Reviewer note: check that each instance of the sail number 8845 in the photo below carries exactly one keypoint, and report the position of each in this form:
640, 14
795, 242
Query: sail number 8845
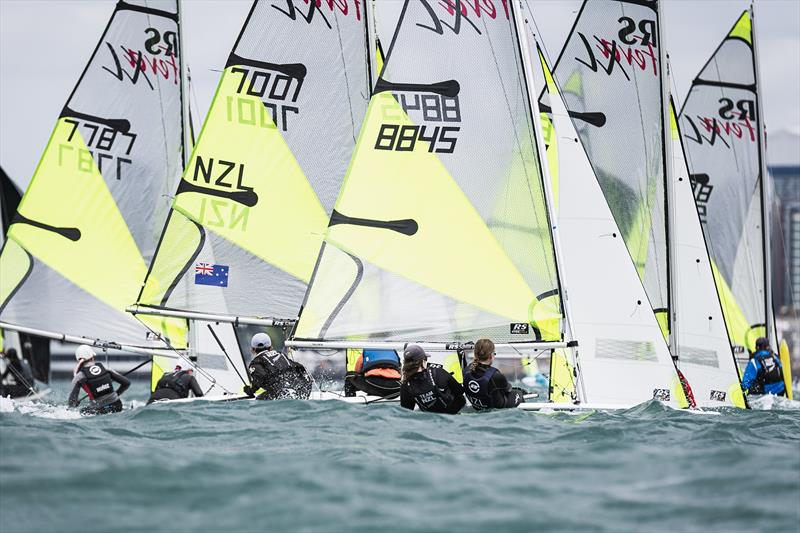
404, 138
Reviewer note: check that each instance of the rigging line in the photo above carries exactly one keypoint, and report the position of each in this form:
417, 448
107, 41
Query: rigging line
228, 357
179, 356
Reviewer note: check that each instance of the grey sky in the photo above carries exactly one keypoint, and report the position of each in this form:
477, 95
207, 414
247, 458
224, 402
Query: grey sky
45, 44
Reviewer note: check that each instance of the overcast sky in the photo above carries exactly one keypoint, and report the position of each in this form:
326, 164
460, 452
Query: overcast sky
45, 44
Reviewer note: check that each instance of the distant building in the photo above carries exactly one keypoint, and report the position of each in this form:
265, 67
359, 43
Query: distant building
783, 156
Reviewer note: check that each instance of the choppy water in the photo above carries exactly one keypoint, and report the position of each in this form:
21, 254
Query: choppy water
331, 466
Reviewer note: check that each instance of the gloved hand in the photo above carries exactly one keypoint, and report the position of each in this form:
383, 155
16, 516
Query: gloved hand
248, 390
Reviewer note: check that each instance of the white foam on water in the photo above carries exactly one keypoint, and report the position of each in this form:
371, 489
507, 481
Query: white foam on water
768, 402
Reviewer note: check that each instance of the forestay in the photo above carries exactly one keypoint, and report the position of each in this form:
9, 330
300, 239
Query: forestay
610, 70
88, 224
441, 231
721, 129
706, 357
250, 212
624, 359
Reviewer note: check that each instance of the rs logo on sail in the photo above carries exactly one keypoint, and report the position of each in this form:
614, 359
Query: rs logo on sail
632, 49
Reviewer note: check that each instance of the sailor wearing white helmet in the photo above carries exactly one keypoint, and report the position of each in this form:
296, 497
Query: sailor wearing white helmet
275, 373
98, 382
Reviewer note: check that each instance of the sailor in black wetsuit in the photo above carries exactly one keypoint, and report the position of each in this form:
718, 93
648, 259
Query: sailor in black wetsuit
428, 386
17, 379
486, 387
279, 376
177, 384
98, 382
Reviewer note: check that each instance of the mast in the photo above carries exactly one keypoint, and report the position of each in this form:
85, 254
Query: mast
370, 16
769, 319
669, 189
522, 39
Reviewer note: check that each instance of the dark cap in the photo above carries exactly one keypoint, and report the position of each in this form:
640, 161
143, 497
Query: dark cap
414, 353
762, 342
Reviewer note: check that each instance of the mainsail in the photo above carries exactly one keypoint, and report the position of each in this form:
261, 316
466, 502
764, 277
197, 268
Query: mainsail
441, 230
705, 354
249, 214
624, 358
79, 245
722, 129
610, 71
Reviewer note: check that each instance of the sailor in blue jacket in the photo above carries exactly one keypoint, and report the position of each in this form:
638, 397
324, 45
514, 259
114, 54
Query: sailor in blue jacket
764, 374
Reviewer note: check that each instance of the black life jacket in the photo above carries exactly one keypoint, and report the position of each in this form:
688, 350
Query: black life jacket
770, 370
476, 389
271, 362
427, 395
98, 381
175, 381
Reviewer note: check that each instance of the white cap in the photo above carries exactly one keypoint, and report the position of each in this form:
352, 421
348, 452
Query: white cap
85, 352
185, 364
260, 341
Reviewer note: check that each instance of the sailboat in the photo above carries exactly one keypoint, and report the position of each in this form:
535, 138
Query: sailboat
250, 211
723, 134
86, 228
35, 349
613, 55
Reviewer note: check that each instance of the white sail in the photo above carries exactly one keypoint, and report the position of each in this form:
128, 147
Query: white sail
705, 354
623, 356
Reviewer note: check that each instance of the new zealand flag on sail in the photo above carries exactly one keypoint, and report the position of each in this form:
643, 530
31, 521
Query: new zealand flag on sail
208, 274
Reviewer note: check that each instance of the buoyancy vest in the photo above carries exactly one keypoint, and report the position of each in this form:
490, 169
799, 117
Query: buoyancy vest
273, 362
175, 381
381, 363
98, 381
770, 369
476, 389
427, 395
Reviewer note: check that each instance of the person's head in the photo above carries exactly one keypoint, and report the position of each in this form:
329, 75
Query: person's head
762, 343
414, 360
185, 367
84, 353
483, 353
11, 354
260, 342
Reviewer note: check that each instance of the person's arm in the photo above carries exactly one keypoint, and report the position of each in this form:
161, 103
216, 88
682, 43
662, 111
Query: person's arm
72, 401
453, 384
406, 399
195, 386
124, 382
750, 374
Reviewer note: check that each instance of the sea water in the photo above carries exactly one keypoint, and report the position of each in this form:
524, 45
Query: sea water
332, 466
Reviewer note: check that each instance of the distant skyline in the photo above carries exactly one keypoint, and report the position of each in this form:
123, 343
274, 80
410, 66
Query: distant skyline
45, 44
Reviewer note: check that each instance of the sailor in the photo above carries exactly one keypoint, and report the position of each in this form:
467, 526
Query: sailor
17, 379
375, 372
98, 382
764, 373
279, 376
428, 385
486, 387
177, 384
